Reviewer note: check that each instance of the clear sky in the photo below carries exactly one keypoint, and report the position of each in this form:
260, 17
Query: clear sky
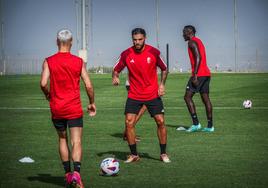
30, 28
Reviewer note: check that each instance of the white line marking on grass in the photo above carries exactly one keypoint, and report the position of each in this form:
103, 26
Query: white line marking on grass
226, 108
118, 108
24, 108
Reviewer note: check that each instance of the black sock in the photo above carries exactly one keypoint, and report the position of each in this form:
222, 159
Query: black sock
163, 148
133, 149
66, 166
77, 166
195, 119
210, 123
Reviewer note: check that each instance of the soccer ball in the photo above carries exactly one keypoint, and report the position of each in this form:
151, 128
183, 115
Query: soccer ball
247, 104
109, 167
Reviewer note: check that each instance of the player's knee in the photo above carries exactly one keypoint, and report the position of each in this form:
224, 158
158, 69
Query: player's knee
62, 135
129, 126
209, 107
129, 123
161, 126
207, 103
186, 98
160, 122
76, 142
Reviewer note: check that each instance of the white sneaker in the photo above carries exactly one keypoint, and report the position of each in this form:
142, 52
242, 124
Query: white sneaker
164, 157
132, 158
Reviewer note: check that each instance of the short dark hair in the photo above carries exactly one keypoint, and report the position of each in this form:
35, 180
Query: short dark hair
138, 31
191, 28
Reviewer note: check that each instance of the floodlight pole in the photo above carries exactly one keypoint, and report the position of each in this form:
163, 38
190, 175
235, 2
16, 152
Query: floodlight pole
90, 45
2, 39
83, 24
167, 57
257, 60
83, 52
235, 32
157, 22
2, 48
77, 23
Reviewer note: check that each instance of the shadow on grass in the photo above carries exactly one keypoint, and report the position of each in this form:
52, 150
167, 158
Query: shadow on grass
123, 155
117, 135
47, 178
176, 126
120, 135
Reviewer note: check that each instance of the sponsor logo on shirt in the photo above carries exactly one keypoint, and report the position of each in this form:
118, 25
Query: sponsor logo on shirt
148, 60
132, 61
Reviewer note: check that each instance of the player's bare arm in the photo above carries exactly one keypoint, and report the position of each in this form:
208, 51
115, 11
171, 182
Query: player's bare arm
91, 108
115, 77
161, 90
44, 80
194, 48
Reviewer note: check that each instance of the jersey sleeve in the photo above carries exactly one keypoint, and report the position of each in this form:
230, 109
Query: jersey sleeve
120, 63
160, 62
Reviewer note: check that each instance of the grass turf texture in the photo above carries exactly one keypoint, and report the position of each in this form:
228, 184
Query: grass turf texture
235, 155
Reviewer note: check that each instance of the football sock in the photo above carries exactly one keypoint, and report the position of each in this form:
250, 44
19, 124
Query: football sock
66, 166
133, 149
195, 119
210, 123
163, 148
77, 166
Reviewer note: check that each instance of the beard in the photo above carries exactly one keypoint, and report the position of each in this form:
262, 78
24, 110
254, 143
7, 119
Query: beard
139, 47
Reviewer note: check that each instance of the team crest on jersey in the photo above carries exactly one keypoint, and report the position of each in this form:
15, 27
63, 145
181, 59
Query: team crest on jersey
132, 61
148, 60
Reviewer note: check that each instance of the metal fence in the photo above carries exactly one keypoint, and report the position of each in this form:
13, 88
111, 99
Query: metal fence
17, 65
22, 65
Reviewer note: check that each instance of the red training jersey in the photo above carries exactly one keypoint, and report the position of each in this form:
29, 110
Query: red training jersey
203, 68
142, 68
65, 70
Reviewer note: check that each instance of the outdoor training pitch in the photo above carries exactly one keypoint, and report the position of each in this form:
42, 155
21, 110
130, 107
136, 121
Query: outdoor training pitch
235, 155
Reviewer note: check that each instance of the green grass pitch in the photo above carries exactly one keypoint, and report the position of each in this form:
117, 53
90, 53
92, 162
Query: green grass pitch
235, 155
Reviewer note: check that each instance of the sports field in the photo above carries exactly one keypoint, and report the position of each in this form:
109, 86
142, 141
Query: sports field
235, 155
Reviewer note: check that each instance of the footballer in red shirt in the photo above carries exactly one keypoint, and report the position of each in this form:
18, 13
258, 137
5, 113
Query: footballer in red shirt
142, 61
199, 81
60, 83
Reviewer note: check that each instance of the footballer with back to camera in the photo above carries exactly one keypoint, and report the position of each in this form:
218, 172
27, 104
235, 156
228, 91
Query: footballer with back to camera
60, 83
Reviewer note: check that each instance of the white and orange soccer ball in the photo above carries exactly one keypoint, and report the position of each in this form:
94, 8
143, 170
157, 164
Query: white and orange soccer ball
247, 104
109, 167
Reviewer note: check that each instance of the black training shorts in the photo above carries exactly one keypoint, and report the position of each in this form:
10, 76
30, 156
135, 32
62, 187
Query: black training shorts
203, 86
154, 106
61, 124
